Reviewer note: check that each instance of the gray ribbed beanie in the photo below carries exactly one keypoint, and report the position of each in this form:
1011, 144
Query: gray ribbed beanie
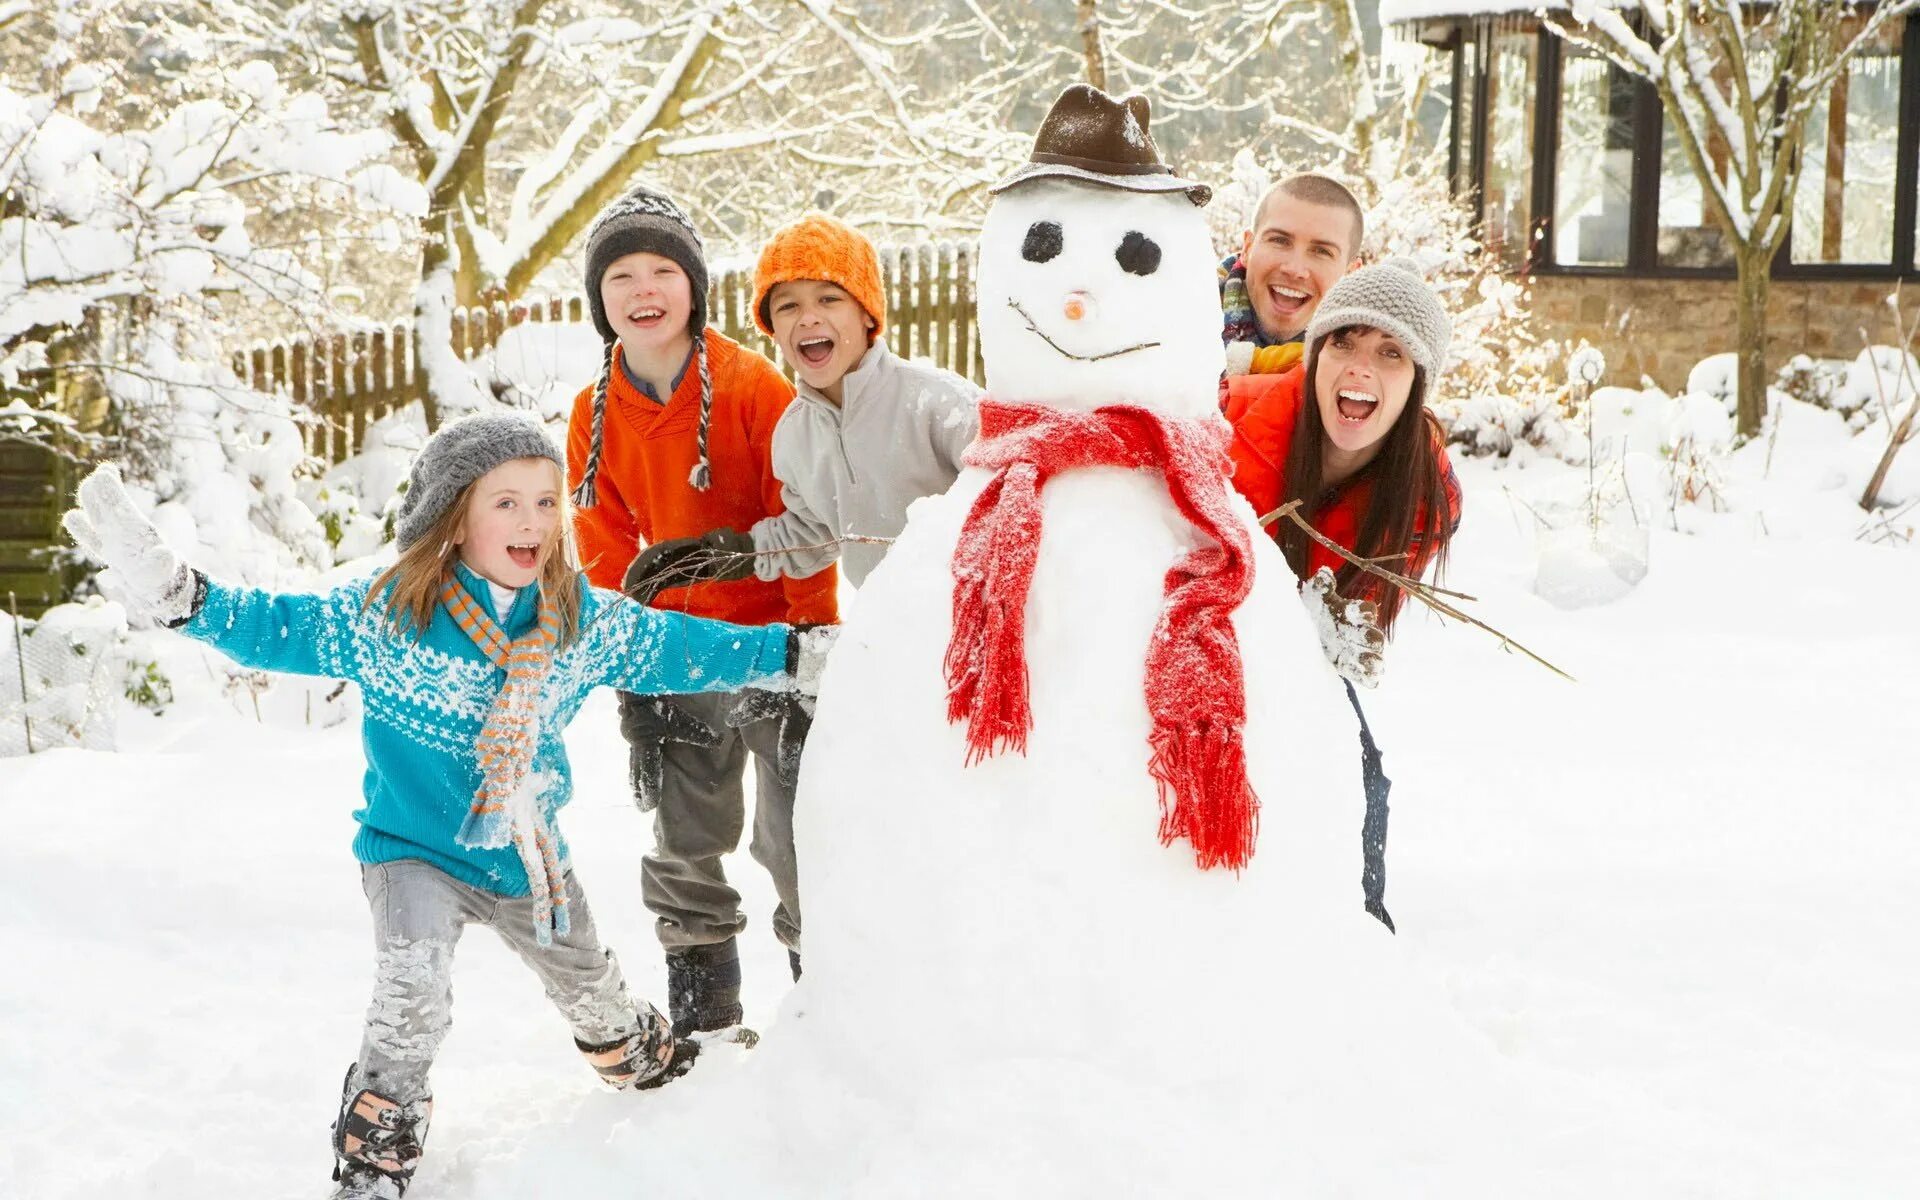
1394, 297
460, 453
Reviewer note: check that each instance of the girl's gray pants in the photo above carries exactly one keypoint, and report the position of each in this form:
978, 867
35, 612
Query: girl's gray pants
419, 913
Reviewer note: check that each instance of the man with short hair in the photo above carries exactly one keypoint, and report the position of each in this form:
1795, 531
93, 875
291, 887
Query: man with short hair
1304, 236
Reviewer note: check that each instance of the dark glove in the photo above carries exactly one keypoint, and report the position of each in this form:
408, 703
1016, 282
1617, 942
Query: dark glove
649, 723
790, 709
807, 647
717, 556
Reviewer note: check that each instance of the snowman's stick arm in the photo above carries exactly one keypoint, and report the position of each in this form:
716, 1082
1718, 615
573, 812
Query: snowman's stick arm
1424, 593
1372, 565
696, 568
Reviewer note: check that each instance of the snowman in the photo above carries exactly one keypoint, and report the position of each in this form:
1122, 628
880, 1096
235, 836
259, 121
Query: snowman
1078, 753
1077, 820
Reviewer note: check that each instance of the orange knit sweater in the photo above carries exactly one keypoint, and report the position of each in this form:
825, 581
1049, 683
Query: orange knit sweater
647, 452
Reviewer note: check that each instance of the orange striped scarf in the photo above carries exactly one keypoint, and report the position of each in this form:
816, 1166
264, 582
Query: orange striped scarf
501, 815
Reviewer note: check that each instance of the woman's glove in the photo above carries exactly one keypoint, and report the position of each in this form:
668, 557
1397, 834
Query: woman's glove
110, 530
718, 556
1349, 630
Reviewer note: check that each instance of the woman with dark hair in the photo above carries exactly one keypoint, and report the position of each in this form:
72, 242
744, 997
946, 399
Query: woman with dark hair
1366, 460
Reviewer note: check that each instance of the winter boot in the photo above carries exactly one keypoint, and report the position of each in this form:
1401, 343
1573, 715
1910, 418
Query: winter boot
703, 987
646, 1059
376, 1142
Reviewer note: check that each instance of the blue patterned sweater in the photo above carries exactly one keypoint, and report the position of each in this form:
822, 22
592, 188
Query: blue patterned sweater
426, 698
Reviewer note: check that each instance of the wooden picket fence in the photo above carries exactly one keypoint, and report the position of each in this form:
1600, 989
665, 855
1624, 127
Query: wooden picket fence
349, 380
34, 486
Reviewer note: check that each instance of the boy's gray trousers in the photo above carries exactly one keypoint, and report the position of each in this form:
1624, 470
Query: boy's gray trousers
419, 912
695, 790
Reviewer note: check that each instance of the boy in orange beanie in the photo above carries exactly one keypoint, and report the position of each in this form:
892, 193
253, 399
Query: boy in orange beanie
675, 438
869, 432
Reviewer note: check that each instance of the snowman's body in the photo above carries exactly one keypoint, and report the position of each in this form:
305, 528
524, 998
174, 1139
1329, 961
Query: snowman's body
1012, 987
1024, 906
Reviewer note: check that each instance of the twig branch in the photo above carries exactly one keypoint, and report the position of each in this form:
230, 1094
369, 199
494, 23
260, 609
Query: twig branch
1424, 593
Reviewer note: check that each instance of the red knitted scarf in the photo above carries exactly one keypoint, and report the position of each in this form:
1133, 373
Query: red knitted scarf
1196, 690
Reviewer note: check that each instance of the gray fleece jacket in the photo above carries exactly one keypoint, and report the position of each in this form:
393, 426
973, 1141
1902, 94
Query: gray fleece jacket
897, 435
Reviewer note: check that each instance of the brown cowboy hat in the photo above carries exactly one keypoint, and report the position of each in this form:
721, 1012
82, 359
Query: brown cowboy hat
1090, 136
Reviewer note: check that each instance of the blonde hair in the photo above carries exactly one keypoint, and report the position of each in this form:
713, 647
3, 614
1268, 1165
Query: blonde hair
411, 587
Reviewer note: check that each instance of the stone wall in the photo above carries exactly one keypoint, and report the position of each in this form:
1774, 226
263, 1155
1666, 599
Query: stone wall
1660, 328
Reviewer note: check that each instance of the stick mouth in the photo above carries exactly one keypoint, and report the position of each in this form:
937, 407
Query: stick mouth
1062, 350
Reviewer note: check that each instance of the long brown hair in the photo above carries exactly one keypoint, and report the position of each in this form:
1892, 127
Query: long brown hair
411, 587
1406, 487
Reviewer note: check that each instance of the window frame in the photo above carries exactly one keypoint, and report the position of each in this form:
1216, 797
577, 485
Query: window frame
1643, 219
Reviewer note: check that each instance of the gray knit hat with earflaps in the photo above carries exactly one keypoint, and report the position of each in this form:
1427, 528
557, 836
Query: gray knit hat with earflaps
460, 453
1394, 297
645, 221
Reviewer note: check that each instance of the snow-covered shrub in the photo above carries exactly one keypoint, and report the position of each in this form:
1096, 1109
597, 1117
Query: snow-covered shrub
1699, 435
1816, 381
60, 676
1687, 438
541, 366
1717, 375
218, 467
147, 686
359, 497
1882, 380
1579, 567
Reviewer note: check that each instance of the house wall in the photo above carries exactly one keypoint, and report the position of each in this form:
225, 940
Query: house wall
1659, 328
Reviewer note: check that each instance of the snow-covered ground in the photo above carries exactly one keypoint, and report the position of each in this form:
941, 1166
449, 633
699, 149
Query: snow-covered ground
1679, 887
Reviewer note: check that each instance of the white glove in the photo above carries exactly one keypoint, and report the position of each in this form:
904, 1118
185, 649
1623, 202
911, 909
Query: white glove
1349, 630
110, 531
807, 657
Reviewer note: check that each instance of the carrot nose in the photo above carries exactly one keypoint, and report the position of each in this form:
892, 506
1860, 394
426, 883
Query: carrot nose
1075, 306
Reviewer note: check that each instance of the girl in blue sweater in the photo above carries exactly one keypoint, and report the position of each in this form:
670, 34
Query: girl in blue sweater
472, 652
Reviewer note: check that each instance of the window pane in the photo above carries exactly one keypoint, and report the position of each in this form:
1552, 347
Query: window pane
1407, 61
1843, 205
1509, 151
1593, 179
1463, 115
1689, 236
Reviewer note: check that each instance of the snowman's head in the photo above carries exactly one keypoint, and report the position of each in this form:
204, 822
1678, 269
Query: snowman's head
1092, 295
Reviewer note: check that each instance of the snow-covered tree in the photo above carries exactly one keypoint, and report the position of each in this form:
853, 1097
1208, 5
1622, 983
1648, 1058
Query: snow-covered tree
128, 169
518, 120
127, 188
1737, 82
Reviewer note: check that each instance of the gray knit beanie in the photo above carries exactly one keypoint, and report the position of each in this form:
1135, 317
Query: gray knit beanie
645, 221
1394, 297
460, 453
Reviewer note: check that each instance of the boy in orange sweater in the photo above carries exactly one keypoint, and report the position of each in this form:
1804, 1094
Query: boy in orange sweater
673, 439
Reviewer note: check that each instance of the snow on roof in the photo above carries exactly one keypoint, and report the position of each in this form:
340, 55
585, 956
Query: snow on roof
1397, 12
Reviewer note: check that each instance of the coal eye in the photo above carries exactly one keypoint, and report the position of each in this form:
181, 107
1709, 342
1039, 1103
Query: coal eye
1043, 242
1138, 254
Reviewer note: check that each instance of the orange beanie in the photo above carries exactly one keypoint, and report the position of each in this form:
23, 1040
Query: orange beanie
819, 247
